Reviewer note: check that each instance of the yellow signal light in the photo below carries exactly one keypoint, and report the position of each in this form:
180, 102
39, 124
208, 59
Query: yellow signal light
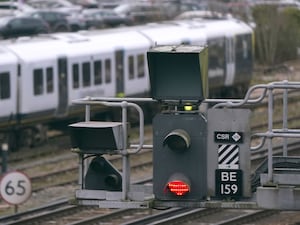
188, 108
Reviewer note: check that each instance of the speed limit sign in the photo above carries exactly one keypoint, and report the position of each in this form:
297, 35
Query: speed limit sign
15, 187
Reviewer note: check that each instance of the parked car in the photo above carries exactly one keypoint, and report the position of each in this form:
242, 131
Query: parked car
76, 21
57, 21
188, 15
109, 4
13, 8
172, 9
101, 18
86, 4
11, 26
57, 5
141, 12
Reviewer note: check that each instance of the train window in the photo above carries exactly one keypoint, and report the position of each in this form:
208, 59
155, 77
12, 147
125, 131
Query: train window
141, 65
216, 53
98, 72
75, 69
49, 78
229, 50
242, 48
131, 67
245, 49
4, 85
86, 74
107, 71
38, 80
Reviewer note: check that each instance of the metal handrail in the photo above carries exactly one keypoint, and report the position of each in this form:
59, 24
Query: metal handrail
124, 104
267, 91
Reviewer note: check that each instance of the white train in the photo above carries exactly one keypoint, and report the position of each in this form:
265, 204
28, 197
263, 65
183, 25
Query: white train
40, 76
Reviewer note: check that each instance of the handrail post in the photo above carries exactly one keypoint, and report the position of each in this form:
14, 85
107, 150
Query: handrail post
285, 118
270, 137
125, 155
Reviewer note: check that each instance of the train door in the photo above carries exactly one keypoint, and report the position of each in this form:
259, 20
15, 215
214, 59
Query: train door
62, 86
230, 60
119, 68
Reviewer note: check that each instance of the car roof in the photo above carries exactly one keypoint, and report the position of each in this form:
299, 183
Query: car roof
93, 10
7, 19
9, 4
199, 14
23, 16
46, 11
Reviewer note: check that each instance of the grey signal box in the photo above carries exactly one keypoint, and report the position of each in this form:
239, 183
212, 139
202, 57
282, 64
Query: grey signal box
97, 136
178, 72
169, 160
228, 153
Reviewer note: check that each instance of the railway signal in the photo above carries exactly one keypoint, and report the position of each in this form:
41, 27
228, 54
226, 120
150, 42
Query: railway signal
179, 157
94, 138
178, 76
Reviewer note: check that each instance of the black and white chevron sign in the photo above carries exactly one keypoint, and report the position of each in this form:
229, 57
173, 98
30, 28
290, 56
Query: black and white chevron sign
228, 156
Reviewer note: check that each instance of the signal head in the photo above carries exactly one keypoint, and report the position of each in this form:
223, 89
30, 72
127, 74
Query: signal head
102, 175
179, 158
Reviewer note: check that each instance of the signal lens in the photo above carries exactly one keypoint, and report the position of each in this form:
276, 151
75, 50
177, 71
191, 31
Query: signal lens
178, 187
188, 107
178, 140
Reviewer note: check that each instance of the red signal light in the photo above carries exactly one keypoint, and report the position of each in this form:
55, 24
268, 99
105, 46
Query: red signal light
178, 187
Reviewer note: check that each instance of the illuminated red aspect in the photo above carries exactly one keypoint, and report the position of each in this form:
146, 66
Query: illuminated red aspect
178, 187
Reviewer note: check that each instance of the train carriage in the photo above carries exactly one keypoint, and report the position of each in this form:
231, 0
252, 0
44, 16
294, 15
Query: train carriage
129, 63
37, 79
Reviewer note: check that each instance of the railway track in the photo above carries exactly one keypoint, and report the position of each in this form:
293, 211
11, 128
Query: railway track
218, 217
64, 168
204, 216
68, 214
62, 208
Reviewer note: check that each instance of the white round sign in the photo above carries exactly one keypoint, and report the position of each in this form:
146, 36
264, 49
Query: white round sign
15, 187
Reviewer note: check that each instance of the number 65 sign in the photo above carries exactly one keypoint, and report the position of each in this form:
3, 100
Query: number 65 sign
15, 187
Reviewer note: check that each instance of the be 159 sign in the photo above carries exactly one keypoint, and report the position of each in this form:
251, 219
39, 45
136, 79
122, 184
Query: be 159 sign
229, 183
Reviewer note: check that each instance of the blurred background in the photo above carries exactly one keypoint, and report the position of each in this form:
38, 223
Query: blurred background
276, 22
